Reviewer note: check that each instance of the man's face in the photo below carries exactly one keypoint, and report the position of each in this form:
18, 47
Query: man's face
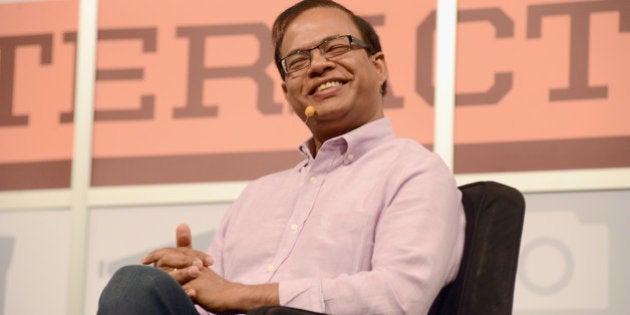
345, 91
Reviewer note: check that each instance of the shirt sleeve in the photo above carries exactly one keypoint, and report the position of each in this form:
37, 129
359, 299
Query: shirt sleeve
215, 250
417, 249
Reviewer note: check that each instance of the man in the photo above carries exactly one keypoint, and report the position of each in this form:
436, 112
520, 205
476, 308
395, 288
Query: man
368, 223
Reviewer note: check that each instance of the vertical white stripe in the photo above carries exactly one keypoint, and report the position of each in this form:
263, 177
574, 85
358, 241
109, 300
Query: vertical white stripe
322, 299
82, 150
446, 39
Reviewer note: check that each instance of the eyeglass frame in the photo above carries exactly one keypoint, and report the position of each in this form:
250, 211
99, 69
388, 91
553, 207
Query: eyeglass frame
308, 51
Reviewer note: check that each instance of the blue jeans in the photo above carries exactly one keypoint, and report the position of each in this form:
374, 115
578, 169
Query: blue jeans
141, 289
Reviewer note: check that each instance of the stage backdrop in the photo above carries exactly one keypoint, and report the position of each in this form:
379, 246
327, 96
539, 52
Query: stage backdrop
188, 91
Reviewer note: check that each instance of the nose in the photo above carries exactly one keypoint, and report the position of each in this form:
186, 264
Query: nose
319, 63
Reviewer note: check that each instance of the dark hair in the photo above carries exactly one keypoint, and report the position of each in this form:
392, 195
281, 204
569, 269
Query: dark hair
285, 18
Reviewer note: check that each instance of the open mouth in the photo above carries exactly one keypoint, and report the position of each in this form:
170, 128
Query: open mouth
326, 85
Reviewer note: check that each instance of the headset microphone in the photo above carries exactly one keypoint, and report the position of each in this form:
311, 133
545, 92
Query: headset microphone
309, 112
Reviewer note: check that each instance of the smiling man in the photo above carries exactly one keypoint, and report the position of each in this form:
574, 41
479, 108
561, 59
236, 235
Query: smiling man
340, 75
367, 224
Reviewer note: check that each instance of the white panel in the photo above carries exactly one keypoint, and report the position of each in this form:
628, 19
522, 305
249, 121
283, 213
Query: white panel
555, 181
34, 259
574, 254
34, 199
564, 263
122, 236
218, 192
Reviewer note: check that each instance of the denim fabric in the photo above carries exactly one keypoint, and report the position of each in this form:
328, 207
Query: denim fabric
144, 290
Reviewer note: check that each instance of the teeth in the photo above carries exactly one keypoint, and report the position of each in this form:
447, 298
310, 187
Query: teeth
328, 85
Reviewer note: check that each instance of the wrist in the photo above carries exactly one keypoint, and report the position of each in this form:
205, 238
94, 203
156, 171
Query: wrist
247, 297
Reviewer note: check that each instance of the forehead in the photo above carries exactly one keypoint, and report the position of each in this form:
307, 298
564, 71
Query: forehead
313, 25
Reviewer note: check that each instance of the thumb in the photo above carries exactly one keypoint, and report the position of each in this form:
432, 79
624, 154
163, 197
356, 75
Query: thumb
183, 237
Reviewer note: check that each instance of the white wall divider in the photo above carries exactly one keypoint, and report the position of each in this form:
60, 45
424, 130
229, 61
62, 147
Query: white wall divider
82, 150
444, 100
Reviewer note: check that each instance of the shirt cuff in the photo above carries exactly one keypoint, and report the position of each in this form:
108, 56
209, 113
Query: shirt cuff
302, 293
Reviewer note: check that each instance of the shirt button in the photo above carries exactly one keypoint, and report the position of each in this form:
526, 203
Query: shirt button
271, 268
294, 227
313, 180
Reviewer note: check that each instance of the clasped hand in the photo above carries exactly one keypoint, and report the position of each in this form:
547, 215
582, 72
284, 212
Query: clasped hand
189, 268
182, 262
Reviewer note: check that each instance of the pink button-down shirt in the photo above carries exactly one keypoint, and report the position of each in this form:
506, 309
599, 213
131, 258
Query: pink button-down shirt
373, 225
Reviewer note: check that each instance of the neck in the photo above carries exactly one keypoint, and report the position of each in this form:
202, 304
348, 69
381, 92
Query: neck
324, 130
319, 139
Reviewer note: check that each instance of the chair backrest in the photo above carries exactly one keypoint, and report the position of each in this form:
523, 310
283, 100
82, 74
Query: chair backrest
494, 224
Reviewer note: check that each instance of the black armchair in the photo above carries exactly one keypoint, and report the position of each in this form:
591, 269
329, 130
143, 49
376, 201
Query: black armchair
494, 224
485, 282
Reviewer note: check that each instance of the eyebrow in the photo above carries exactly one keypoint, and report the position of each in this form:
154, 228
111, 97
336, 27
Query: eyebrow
300, 50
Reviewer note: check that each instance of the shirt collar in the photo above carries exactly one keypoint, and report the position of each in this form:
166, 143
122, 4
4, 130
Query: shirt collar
354, 143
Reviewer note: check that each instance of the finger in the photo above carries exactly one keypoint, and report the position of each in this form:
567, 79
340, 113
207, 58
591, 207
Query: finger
150, 257
183, 236
157, 255
177, 258
170, 257
185, 275
208, 261
202, 259
190, 291
197, 258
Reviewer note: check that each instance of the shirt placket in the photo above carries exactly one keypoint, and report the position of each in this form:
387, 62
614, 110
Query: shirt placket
312, 182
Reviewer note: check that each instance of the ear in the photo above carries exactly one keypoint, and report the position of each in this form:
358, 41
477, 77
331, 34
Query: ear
378, 60
286, 96
286, 93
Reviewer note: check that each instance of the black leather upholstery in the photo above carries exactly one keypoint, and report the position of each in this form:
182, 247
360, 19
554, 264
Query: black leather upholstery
494, 224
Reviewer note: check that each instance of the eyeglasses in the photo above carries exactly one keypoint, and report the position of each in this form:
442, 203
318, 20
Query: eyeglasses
329, 48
